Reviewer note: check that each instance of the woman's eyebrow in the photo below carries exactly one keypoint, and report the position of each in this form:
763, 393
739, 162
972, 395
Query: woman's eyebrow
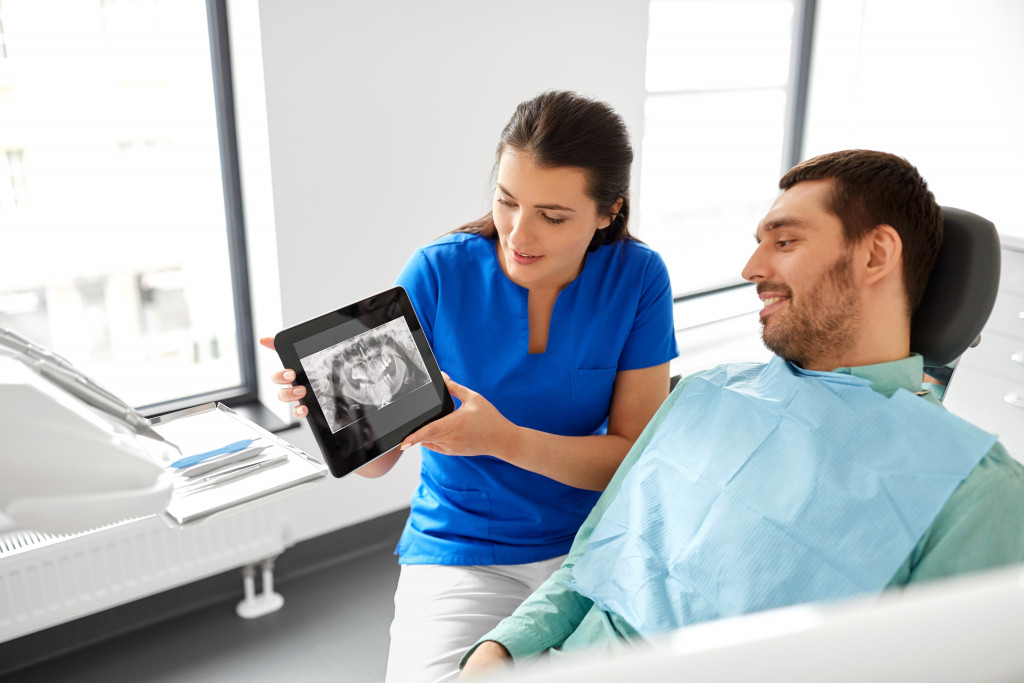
550, 207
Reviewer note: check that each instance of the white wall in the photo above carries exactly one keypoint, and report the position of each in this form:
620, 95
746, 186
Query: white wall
940, 82
382, 119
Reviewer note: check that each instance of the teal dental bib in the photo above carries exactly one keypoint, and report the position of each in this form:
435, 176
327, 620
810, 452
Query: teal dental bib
767, 486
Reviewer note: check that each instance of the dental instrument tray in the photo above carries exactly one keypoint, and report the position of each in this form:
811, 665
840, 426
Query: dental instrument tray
370, 377
226, 461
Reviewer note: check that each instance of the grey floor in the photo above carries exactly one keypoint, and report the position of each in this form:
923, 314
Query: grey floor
333, 627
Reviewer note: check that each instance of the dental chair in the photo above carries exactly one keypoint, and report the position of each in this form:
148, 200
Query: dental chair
960, 293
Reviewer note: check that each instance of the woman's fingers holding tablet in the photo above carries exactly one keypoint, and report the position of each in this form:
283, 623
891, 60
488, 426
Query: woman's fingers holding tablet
290, 394
475, 427
286, 376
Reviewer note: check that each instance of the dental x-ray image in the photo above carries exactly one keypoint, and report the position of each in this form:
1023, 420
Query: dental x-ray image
363, 374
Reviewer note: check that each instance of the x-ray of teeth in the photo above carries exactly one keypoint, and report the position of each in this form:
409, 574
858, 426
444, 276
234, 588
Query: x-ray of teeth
365, 373
371, 370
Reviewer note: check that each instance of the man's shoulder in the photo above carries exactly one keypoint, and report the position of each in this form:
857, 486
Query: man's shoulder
981, 525
725, 371
993, 490
996, 472
732, 370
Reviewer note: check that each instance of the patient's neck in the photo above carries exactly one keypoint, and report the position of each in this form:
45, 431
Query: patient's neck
883, 337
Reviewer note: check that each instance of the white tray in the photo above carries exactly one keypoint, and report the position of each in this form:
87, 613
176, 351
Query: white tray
212, 425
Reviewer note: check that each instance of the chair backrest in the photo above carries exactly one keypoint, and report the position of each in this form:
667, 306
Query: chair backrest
961, 291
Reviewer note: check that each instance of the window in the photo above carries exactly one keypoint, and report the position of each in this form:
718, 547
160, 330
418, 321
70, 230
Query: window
953, 88
721, 121
122, 211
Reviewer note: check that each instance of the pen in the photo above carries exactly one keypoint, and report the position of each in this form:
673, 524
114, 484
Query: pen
218, 462
199, 457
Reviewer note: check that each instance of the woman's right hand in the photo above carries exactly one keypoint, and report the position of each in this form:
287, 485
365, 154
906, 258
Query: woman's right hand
291, 393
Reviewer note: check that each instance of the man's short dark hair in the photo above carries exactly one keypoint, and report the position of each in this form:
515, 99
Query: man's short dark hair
875, 188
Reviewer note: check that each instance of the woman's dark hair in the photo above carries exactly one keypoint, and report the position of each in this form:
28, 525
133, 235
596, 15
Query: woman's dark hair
563, 129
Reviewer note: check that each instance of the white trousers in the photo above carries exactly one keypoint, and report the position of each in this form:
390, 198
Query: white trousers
440, 611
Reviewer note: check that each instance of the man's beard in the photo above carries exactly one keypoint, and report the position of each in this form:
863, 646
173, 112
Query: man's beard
822, 324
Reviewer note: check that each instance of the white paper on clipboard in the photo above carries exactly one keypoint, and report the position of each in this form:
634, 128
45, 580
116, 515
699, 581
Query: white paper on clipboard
212, 425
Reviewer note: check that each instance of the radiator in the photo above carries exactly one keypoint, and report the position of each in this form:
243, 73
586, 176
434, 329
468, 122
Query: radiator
47, 580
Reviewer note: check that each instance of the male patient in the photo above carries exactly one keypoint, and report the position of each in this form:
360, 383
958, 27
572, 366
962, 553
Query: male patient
823, 474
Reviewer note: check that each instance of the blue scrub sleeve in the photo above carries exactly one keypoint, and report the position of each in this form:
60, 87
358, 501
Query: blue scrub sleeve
420, 280
652, 339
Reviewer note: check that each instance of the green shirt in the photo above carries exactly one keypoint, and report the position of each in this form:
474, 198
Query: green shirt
981, 526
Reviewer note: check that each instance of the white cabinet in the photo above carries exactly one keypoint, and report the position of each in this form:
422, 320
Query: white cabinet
987, 387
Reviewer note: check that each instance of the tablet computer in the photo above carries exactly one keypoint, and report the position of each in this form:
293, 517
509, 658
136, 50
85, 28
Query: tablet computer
370, 377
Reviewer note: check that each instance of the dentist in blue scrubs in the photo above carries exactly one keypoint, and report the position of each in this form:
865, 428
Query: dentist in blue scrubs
554, 327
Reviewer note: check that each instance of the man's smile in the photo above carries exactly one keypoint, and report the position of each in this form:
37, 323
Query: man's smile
770, 301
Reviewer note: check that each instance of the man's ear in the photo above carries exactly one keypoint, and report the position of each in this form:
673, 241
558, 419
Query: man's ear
884, 254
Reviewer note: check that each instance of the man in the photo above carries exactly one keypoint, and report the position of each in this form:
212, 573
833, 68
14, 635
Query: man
820, 475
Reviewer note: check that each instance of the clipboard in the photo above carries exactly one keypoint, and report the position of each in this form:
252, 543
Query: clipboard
207, 426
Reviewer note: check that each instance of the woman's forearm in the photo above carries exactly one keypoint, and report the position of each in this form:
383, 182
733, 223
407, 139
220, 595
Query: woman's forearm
586, 462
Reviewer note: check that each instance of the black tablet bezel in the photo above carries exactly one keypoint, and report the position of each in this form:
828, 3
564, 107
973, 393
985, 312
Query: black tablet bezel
350, 447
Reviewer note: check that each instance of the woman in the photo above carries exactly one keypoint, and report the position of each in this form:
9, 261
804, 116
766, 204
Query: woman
555, 327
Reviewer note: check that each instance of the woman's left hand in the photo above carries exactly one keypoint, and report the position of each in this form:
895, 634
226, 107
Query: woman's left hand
475, 428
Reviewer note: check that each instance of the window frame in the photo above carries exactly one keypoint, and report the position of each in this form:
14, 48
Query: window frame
799, 82
244, 396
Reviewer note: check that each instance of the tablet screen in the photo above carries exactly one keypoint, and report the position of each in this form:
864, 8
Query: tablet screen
370, 377
356, 378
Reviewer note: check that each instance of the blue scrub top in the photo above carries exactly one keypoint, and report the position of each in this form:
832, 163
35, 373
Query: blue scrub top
616, 315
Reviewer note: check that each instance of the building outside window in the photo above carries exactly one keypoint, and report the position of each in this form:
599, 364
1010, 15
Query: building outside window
113, 222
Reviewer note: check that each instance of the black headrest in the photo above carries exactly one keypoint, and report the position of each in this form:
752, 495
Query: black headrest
961, 291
